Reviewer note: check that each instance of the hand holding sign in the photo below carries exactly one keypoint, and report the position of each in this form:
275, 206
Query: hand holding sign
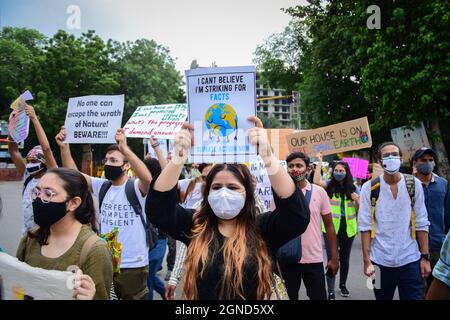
86, 289
258, 137
183, 143
29, 111
120, 137
82, 285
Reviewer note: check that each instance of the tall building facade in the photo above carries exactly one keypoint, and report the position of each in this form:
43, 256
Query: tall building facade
286, 108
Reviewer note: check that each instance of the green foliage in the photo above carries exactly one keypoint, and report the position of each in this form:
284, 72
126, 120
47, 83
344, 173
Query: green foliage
398, 75
65, 66
270, 122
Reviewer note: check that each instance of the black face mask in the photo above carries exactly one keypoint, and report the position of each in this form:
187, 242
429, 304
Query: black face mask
113, 172
47, 214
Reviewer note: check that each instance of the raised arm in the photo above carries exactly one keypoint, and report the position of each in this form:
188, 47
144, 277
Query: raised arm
137, 164
317, 179
66, 155
16, 157
42, 137
158, 151
281, 182
170, 174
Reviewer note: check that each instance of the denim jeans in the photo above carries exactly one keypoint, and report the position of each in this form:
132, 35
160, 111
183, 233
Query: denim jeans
155, 259
407, 278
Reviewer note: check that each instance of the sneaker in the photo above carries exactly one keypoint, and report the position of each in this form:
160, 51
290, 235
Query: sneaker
331, 296
343, 291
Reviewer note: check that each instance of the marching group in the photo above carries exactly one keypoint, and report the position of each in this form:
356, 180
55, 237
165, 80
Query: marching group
223, 242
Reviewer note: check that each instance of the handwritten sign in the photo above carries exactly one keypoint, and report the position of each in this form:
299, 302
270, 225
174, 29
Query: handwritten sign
341, 137
160, 121
358, 167
94, 119
263, 186
220, 100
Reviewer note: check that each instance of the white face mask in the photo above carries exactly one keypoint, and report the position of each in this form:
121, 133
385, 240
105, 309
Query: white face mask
391, 164
225, 203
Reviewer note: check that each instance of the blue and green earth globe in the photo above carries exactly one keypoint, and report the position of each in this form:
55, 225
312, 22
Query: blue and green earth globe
221, 119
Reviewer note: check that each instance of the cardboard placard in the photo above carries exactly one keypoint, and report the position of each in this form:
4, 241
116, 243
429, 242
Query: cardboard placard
336, 138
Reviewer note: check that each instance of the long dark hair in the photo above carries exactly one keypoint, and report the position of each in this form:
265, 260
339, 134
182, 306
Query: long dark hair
76, 186
346, 188
245, 245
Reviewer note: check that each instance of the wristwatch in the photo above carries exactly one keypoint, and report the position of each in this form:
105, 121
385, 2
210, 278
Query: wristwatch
425, 256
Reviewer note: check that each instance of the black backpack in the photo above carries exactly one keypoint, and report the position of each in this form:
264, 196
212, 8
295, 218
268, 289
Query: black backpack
150, 231
25, 183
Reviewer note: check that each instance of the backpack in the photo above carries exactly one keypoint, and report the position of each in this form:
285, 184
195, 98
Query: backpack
375, 193
25, 183
150, 231
291, 252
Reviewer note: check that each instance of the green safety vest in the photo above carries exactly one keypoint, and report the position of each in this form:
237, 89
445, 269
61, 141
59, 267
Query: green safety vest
350, 215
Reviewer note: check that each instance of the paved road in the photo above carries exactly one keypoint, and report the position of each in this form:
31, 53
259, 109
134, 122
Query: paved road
10, 234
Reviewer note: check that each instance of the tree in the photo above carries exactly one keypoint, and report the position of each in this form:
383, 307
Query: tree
270, 122
398, 75
66, 66
278, 58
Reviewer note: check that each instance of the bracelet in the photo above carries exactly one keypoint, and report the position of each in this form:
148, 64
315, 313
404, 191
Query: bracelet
155, 145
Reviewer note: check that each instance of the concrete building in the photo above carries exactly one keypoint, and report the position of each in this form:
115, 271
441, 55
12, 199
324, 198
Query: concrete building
286, 108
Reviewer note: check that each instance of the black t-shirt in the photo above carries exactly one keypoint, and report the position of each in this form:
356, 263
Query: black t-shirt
287, 221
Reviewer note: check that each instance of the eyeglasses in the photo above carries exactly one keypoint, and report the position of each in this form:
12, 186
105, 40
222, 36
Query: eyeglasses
45, 194
113, 161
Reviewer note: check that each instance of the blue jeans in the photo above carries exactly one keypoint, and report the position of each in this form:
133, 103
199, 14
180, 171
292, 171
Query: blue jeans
407, 278
155, 259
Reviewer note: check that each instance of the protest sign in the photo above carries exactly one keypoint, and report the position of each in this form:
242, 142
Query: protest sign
220, 100
160, 121
358, 167
409, 140
21, 281
341, 137
278, 141
93, 119
263, 186
166, 146
19, 123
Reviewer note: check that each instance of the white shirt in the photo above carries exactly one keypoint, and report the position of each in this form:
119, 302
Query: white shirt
27, 204
192, 198
116, 211
393, 245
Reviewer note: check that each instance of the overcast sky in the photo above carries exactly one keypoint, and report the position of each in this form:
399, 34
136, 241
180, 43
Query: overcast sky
222, 31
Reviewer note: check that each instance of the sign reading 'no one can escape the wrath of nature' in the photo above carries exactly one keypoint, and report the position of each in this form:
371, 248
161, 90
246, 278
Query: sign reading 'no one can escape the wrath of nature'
337, 138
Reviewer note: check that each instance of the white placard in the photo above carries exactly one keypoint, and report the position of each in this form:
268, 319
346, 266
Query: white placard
94, 119
160, 121
263, 185
219, 102
21, 281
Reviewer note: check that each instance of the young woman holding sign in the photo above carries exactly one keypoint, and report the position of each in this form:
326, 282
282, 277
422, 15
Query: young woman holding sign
229, 246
